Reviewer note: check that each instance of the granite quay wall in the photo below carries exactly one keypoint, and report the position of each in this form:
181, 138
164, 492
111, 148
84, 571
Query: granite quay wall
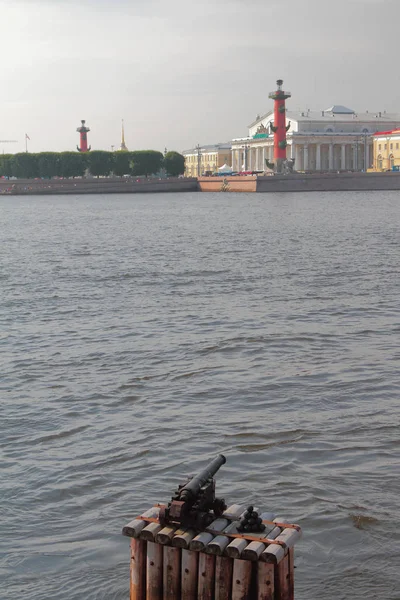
329, 182
245, 183
26, 187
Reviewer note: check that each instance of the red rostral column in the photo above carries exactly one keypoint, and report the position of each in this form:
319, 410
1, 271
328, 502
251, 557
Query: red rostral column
279, 127
83, 131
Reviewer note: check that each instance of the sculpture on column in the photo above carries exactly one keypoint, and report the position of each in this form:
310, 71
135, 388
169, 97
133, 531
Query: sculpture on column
279, 128
83, 131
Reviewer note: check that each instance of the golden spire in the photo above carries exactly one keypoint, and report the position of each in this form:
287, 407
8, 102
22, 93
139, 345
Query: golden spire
123, 145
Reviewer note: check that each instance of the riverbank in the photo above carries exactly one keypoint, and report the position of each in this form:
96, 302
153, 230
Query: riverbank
302, 182
297, 182
117, 185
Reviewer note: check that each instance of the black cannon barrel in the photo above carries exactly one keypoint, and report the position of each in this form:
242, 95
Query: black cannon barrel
193, 487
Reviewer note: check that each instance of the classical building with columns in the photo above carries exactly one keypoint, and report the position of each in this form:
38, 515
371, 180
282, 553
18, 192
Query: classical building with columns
206, 159
335, 139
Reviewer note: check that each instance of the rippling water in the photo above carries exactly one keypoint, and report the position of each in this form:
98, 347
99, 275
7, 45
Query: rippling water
140, 335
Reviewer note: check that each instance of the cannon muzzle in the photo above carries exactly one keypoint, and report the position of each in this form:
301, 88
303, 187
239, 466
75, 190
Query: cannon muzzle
192, 488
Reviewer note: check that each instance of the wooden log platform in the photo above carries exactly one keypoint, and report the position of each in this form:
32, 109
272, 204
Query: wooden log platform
219, 563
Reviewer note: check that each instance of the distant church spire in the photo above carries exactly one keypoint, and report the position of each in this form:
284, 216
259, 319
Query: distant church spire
123, 145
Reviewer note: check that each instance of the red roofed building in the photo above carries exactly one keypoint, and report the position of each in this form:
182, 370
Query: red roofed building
387, 150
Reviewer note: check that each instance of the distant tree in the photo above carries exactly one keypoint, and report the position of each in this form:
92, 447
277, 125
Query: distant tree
72, 164
122, 162
6, 165
146, 162
100, 162
25, 165
48, 164
174, 163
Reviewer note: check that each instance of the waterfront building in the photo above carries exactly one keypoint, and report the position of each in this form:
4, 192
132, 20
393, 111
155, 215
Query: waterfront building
206, 159
335, 139
387, 150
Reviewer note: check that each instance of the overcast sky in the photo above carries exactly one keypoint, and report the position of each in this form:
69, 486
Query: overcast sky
182, 72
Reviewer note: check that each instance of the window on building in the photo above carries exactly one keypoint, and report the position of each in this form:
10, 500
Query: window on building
379, 163
391, 146
397, 146
385, 146
391, 161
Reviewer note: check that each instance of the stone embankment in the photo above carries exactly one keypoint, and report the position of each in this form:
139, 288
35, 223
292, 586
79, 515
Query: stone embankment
329, 182
297, 182
302, 182
245, 183
104, 185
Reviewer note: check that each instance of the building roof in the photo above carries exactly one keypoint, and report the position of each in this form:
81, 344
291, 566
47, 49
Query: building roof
388, 133
334, 117
338, 109
210, 148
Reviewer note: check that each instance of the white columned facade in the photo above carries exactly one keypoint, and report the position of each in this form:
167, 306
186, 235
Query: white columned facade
305, 166
343, 157
354, 157
263, 158
331, 156
257, 159
318, 157
297, 157
271, 153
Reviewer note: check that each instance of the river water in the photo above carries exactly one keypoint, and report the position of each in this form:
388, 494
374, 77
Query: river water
141, 335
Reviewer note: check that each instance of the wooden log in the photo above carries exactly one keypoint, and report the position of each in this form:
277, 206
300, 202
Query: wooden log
166, 534
150, 531
189, 561
236, 547
291, 573
241, 579
268, 516
154, 572
138, 567
282, 579
206, 579
223, 578
234, 512
265, 581
274, 552
276, 531
171, 572
218, 544
135, 527
253, 551
183, 540
201, 540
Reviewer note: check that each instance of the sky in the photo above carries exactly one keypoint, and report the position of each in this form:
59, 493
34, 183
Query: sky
183, 72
